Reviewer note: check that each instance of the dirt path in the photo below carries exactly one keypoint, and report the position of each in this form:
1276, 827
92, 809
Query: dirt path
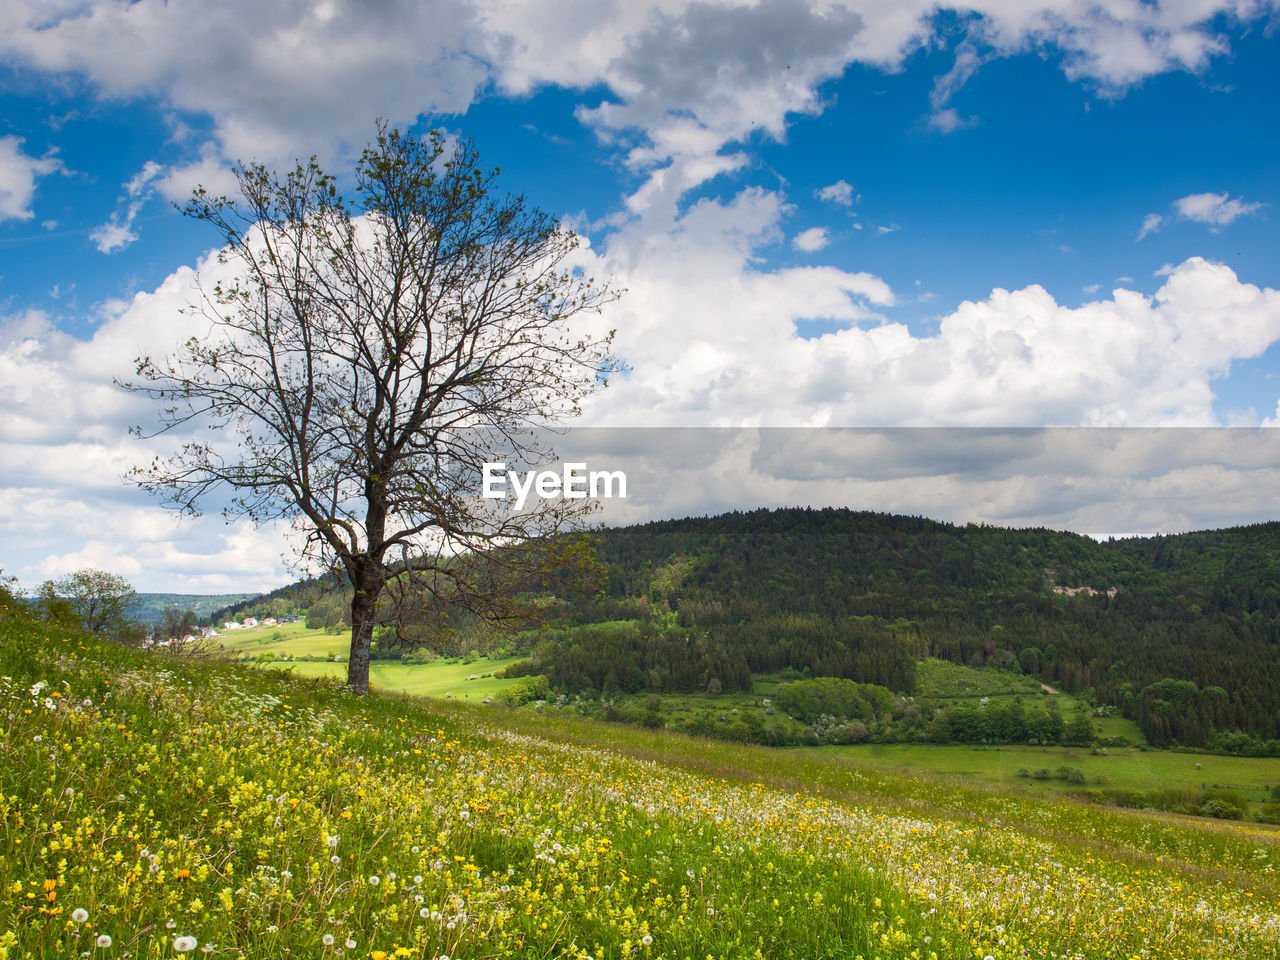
1048, 689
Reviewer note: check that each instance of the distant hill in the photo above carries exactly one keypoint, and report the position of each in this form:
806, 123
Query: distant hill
151, 606
1181, 632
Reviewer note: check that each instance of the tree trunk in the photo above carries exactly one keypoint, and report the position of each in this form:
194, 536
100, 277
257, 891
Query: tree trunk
363, 604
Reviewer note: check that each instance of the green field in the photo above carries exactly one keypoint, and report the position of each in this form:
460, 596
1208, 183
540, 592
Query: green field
1128, 768
441, 678
147, 799
284, 640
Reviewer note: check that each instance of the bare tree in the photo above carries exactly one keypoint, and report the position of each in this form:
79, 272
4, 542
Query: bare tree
370, 356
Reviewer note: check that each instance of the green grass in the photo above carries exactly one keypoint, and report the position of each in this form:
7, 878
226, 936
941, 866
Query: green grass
284, 640
940, 679
261, 813
1126, 769
450, 679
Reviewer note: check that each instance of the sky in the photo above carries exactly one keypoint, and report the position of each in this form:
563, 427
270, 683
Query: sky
878, 213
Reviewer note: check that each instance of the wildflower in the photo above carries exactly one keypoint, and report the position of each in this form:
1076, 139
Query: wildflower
104, 941
374, 881
424, 913
332, 841
646, 940
327, 939
184, 944
350, 944
80, 915
335, 859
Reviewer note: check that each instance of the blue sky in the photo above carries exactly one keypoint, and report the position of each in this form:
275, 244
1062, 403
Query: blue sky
826, 214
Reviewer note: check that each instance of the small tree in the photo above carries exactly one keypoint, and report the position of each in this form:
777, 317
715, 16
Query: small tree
97, 600
368, 358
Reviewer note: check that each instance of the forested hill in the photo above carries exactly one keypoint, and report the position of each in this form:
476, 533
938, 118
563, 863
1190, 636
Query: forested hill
863, 595
1181, 632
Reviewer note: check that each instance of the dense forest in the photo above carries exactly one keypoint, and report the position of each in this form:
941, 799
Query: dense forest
1180, 632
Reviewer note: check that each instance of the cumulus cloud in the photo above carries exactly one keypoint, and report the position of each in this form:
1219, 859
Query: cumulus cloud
18, 175
1214, 209
1015, 357
840, 193
681, 79
811, 240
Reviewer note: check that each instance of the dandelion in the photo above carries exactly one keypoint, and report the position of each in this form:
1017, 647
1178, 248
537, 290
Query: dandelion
327, 939
104, 941
332, 841
350, 944
424, 913
646, 940
184, 944
374, 880
335, 859
80, 915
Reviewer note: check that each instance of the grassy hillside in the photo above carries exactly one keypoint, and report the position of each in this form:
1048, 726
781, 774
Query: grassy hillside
150, 804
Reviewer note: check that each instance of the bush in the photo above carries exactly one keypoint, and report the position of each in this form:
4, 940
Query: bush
1220, 809
525, 690
1269, 813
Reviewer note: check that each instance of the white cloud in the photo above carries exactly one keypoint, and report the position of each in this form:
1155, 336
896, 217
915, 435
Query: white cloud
18, 176
943, 116
839, 192
811, 240
118, 233
683, 80
1151, 223
1016, 357
1214, 209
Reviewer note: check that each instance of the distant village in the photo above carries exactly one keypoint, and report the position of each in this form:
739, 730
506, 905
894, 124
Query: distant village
210, 633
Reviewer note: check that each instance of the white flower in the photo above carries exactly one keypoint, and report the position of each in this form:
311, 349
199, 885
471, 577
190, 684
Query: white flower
335, 859
646, 939
374, 881
170, 924
424, 913
185, 944
332, 841
80, 915
104, 941
327, 939
350, 944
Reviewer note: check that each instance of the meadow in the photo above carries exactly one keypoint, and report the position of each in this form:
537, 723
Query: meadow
153, 806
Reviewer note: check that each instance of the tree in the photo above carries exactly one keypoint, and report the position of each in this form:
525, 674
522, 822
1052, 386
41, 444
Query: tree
368, 357
97, 600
